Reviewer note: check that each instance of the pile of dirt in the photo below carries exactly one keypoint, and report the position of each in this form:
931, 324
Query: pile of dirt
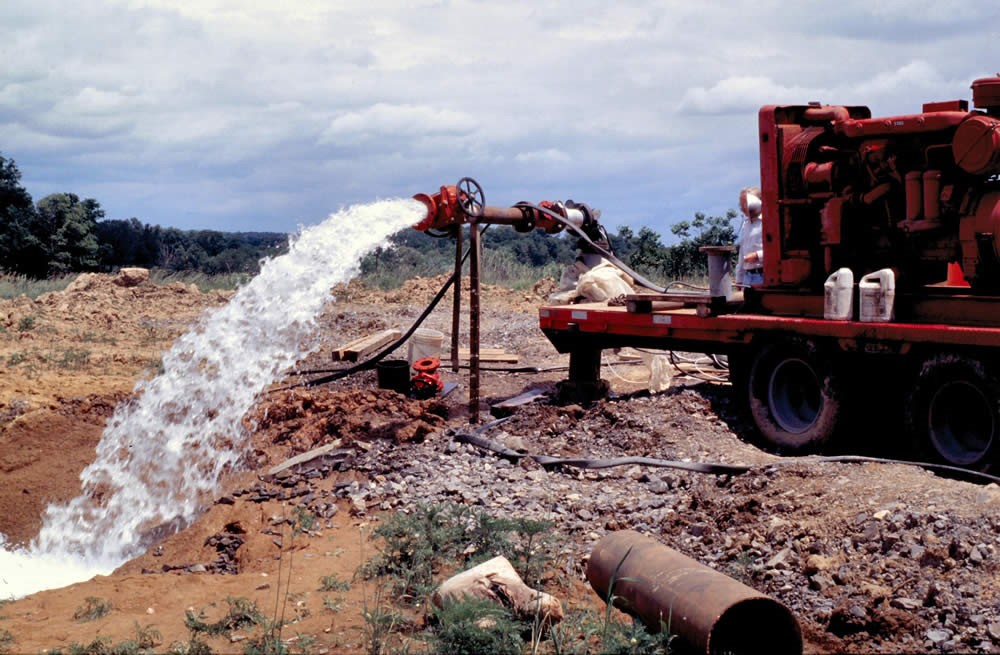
291, 422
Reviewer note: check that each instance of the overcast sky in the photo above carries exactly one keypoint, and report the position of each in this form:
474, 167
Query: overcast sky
256, 115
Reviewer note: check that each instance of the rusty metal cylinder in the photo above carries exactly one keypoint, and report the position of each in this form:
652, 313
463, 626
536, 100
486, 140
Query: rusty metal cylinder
708, 611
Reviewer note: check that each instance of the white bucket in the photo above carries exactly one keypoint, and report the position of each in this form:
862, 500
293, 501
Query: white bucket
838, 296
878, 293
425, 343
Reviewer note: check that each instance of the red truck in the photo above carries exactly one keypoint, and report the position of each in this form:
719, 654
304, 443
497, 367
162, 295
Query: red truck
910, 205
917, 195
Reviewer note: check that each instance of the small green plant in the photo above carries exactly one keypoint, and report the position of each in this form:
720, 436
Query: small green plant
73, 358
93, 608
243, 613
305, 520
381, 623
269, 643
16, 358
6, 642
333, 583
147, 636
193, 647
304, 642
415, 546
333, 604
743, 568
26, 324
103, 646
476, 626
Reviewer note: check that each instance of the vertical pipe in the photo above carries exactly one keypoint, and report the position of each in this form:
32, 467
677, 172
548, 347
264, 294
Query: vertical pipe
932, 195
474, 248
456, 309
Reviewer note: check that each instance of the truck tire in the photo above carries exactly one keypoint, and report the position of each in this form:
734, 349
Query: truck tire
953, 412
793, 396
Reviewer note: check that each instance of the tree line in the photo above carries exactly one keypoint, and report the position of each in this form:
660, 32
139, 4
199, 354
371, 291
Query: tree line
63, 233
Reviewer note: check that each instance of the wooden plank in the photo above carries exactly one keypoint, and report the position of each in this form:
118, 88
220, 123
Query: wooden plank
358, 348
491, 355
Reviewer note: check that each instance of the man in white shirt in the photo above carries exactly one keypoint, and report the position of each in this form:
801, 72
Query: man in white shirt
750, 260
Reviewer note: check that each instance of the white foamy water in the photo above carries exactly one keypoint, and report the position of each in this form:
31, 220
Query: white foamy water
161, 456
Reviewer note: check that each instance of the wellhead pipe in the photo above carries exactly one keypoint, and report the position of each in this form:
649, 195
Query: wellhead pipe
708, 611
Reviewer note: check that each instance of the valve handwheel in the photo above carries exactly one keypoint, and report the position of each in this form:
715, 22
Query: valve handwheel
470, 197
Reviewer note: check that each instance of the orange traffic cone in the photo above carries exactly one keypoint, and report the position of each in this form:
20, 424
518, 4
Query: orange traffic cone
956, 278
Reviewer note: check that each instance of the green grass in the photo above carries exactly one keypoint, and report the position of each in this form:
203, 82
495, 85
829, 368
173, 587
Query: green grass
13, 285
204, 281
333, 583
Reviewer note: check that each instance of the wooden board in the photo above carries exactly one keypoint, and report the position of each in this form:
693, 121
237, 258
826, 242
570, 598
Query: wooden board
358, 348
488, 355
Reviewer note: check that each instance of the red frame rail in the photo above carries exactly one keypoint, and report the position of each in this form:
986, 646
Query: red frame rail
596, 324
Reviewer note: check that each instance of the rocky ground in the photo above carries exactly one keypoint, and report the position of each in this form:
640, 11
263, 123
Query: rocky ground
869, 557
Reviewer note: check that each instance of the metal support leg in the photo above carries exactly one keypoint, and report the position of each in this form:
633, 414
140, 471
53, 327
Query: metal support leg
474, 323
457, 303
584, 383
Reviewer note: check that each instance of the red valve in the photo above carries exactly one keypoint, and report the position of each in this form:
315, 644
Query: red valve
427, 365
427, 380
442, 209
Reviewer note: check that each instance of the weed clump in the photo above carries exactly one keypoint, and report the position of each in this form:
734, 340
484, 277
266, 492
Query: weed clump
415, 547
93, 608
476, 626
243, 613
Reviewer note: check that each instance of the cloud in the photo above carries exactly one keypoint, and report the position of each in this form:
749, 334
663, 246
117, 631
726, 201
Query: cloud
395, 122
744, 94
288, 111
547, 156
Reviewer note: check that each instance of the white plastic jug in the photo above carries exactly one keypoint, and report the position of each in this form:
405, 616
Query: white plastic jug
878, 294
838, 295
425, 343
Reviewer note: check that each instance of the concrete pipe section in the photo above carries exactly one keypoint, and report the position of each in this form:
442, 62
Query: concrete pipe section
708, 611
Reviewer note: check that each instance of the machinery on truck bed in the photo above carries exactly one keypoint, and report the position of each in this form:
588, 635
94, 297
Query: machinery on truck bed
916, 197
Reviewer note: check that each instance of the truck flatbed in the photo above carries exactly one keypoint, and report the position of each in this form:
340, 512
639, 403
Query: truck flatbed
682, 328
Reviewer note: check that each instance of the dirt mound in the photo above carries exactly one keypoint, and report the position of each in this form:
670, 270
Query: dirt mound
301, 419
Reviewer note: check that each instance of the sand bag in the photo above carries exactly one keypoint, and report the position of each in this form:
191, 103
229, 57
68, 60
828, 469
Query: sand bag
604, 282
497, 581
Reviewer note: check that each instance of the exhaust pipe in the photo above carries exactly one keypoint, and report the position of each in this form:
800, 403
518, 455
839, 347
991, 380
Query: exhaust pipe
708, 611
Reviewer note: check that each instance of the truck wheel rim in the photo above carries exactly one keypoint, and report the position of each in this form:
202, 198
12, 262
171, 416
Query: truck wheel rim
793, 395
961, 423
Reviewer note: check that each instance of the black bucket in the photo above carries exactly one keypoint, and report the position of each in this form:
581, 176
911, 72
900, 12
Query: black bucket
393, 374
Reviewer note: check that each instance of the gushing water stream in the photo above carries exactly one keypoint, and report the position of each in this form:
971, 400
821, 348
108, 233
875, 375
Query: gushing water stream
162, 454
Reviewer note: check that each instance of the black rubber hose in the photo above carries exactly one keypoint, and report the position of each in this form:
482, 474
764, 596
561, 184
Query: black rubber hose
476, 439
606, 254
371, 362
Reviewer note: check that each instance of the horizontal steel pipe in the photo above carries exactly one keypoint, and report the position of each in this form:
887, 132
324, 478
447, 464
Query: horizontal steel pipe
707, 610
